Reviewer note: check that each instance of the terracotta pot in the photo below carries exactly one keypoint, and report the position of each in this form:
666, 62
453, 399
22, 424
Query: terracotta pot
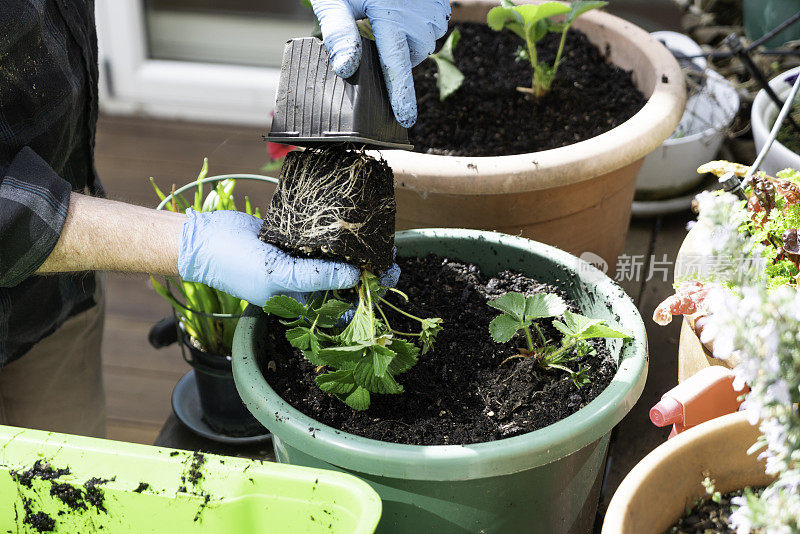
657, 491
693, 356
577, 197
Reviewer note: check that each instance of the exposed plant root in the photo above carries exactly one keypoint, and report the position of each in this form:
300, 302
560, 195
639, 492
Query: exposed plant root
334, 203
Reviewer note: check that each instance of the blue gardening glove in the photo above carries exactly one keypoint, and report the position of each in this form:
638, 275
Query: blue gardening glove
222, 249
405, 33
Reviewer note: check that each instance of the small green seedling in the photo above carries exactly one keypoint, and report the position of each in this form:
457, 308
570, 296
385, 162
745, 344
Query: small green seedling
519, 314
531, 22
449, 78
362, 357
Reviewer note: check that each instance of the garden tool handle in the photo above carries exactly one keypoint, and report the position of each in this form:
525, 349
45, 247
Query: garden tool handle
163, 333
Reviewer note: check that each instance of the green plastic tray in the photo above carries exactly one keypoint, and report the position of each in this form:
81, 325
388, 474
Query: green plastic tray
231, 495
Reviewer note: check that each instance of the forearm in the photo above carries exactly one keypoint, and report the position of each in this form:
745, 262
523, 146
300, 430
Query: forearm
105, 235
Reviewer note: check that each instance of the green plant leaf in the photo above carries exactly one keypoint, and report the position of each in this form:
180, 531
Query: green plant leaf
284, 306
532, 13
582, 327
302, 338
360, 328
365, 376
543, 305
505, 17
332, 309
336, 382
512, 304
579, 8
448, 47
605, 330
358, 399
575, 324
342, 357
313, 358
381, 359
503, 327
449, 78
537, 30
430, 329
405, 356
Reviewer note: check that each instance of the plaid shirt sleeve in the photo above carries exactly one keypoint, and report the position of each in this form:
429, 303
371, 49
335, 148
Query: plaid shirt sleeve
33, 208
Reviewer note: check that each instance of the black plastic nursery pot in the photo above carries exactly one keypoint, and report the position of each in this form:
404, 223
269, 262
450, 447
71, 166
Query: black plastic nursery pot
223, 409
545, 481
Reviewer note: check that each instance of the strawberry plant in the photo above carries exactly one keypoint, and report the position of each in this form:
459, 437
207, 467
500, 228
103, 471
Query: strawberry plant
531, 22
363, 356
520, 314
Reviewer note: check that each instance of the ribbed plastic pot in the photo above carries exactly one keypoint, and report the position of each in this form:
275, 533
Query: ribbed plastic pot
576, 197
545, 481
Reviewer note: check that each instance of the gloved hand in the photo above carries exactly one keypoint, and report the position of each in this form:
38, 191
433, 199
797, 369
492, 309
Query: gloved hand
405, 33
222, 249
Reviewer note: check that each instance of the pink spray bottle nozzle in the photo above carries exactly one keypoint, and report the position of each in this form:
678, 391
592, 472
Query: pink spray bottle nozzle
668, 411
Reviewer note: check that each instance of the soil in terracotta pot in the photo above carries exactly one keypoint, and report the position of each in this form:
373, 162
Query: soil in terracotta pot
462, 392
709, 516
487, 116
334, 203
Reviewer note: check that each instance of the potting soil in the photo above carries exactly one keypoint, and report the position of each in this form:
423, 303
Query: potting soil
488, 116
334, 203
463, 392
708, 516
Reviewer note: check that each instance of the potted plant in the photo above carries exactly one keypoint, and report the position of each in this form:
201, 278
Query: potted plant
770, 213
581, 191
492, 374
668, 482
784, 151
205, 318
751, 313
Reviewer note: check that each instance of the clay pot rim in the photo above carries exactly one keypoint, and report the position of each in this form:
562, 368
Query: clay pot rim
620, 146
638, 478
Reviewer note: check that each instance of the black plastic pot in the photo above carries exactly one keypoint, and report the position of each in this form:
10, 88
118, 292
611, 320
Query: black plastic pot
223, 409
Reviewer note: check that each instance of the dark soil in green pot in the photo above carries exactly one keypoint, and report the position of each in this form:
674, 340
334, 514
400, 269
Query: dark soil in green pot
466, 390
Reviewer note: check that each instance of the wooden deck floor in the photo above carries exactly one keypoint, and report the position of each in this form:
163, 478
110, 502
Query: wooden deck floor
139, 379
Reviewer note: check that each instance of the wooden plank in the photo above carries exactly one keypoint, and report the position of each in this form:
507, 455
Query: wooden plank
137, 397
636, 436
637, 245
131, 431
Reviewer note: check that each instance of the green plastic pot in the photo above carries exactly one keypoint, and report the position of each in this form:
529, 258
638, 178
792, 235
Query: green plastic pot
246, 496
543, 481
761, 16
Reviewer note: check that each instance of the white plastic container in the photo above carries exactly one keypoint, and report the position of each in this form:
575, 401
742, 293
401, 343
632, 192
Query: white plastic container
672, 168
762, 117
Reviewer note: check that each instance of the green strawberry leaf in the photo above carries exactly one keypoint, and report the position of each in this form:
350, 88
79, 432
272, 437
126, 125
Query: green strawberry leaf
358, 399
336, 382
302, 338
503, 327
340, 356
405, 356
543, 305
284, 306
381, 358
512, 304
580, 7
